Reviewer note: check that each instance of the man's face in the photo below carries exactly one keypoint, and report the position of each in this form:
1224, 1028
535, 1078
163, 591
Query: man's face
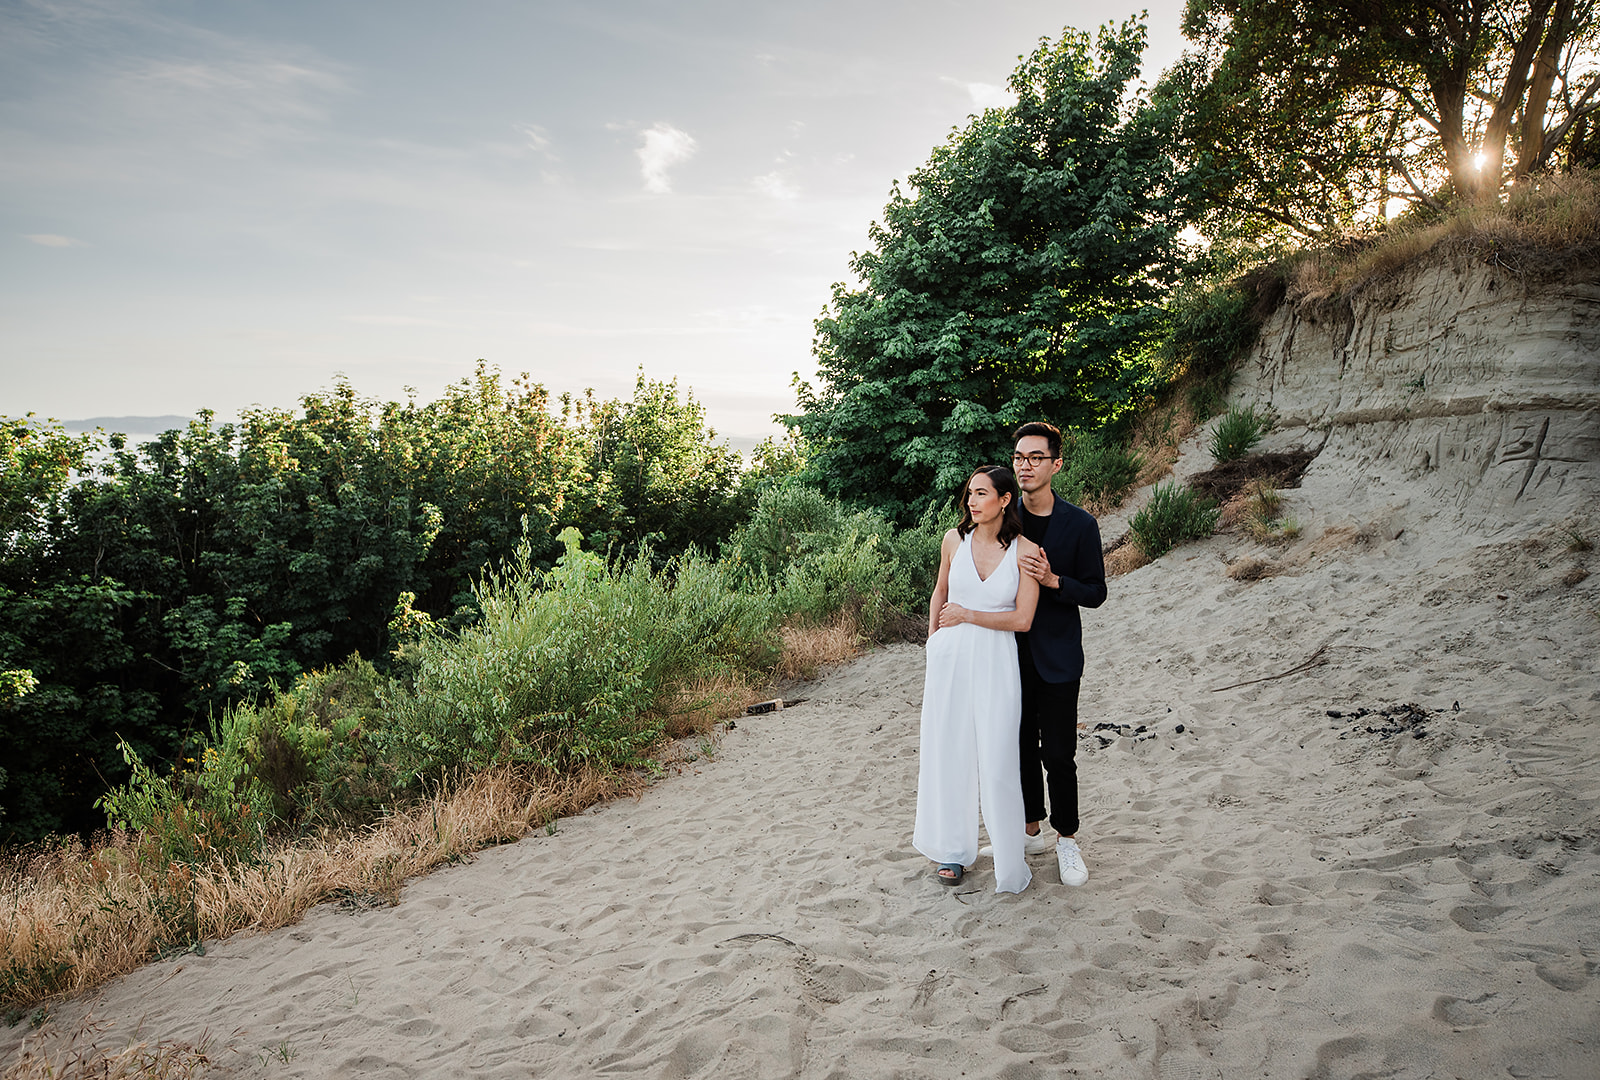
1033, 464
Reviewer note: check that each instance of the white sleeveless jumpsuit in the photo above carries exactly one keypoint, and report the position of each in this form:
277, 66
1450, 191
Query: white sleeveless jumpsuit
971, 709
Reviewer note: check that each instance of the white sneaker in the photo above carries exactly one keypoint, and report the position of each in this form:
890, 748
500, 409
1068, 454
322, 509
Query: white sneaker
1037, 844
1070, 861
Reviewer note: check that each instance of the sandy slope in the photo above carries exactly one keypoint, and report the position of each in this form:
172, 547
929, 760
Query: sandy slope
1275, 892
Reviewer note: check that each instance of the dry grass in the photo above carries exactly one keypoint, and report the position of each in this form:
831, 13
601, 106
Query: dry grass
1124, 559
1250, 568
1156, 437
1548, 228
1257, 511
82, 1055
809, 647
699, 706
1337, 538
1574, 576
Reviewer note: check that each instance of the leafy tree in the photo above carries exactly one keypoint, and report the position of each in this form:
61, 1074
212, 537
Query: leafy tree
1320, 113
1279, 153
661, 478
64, 654
1020, 279
497, 462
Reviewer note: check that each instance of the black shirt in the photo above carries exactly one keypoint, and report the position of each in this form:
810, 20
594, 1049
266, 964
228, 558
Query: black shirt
1034, 526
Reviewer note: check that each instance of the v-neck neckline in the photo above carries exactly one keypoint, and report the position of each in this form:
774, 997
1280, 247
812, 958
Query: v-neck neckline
971, 554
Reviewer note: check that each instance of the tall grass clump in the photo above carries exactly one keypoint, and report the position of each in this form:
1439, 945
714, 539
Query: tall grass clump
572, 666
1237, 433
1174, 515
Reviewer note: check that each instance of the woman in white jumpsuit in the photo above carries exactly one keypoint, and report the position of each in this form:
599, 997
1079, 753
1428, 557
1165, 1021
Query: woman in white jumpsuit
972, 694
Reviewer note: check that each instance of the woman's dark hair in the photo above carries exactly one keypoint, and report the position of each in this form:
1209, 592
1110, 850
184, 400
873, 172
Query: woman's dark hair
1005, 483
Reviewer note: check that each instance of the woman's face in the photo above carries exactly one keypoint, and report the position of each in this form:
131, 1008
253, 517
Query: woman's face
983, 502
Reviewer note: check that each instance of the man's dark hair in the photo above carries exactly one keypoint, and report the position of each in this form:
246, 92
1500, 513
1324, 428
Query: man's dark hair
1049, 432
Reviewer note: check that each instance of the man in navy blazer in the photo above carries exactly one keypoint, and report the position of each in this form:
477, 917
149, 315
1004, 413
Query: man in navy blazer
1071, 574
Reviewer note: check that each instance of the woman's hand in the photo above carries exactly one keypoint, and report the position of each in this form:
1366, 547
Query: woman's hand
953, 615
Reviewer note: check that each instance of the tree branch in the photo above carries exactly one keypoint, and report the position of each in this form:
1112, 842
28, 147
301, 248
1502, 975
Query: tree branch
1411, 99
1583, 107
1405, 173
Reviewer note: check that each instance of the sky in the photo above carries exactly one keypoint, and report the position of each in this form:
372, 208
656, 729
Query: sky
231, 203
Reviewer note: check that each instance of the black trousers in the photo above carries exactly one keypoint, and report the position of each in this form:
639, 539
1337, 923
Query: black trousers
1048, 738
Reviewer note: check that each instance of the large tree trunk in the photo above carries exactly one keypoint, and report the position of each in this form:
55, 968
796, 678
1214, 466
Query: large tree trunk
1450, 98
1531, 153
1509, 99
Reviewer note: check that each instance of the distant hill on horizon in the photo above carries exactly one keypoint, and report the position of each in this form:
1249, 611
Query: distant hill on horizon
129, 425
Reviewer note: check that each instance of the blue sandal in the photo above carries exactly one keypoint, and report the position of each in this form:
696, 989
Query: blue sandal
954, 876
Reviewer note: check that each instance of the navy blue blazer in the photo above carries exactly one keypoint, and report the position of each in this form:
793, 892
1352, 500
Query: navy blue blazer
1072, 544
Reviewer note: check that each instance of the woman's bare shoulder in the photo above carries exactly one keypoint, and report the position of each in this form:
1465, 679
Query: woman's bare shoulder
952, 540
1026, 546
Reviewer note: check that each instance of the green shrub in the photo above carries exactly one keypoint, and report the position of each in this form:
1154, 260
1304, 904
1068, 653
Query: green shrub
313, 751
1237, 432
814, 557
1098, 468
1207, 329
790, 523
1174, 515
212, 808
1207, 397
571, 666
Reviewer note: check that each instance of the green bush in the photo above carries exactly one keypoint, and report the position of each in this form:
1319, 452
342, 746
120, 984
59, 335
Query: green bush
570, 666
1099, 467
212, 808
1207, 397
313, 749
1207, 329
1174, 515
1237, 432
815, 557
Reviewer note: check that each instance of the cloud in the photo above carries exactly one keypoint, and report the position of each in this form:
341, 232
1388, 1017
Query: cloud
984, 95
52, 240
538, 139
664, 146
774, 186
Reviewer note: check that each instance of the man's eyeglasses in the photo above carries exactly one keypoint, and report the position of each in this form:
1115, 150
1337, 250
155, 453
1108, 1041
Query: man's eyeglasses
1036, 460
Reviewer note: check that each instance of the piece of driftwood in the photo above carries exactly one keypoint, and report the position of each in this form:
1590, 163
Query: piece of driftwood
1312, 661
